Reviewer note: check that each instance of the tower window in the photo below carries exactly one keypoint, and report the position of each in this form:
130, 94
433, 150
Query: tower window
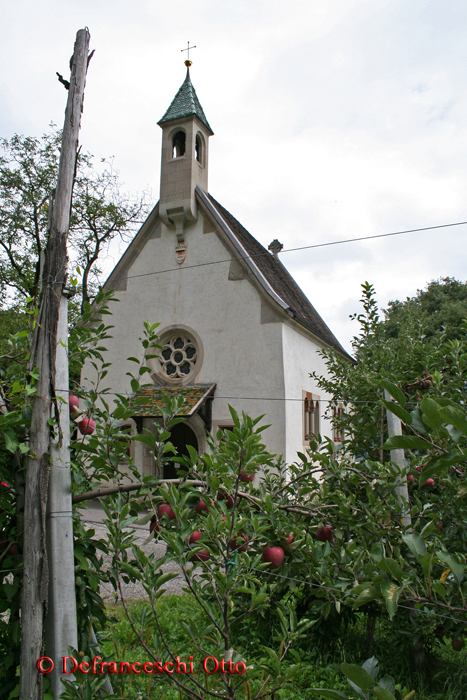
199, 149
178, 144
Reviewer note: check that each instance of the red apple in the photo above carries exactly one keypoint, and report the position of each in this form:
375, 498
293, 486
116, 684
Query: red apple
166, 509
154, 524
429, 482
246, 477
203, 555
410, 478
229, 501
11, 550
325, 533
289, 541
200, 506
419, 469
87, 426
73, 402
196, 535
440, 525
457, 644
240, 542
275, 555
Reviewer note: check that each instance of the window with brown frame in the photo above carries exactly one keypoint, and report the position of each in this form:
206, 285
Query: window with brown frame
311, 411
337, 430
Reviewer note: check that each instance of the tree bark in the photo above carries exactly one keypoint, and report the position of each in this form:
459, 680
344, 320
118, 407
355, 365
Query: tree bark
42, 357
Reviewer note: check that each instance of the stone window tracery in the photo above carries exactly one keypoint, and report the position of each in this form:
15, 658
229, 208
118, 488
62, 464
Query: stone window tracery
178, 356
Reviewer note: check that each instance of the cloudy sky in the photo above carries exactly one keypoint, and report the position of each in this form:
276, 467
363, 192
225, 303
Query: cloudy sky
333, 119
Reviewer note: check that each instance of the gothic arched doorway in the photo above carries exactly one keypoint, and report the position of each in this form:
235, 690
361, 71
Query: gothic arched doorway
181, 436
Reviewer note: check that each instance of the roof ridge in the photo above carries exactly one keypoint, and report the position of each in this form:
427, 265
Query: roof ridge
280, 280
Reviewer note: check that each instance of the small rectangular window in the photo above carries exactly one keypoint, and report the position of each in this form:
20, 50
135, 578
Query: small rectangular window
337, 430
311, 411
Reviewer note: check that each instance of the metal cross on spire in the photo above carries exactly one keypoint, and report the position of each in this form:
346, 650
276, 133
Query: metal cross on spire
188, 62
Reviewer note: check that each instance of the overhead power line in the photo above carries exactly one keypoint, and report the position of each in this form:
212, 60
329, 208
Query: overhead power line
292, 250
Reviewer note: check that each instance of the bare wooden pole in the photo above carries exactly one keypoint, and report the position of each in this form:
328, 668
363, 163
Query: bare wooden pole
60, 619
43, 357
398, 457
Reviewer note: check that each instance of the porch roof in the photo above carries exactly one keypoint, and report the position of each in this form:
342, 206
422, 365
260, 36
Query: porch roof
149, 399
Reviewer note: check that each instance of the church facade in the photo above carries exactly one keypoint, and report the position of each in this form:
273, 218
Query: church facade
235, 328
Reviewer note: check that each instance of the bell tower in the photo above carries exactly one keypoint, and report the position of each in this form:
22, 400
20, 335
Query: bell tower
184, 164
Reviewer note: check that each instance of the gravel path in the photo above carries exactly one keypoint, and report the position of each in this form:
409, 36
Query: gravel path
93, 516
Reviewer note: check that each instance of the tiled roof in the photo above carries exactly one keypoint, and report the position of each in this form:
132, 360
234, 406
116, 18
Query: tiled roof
184, 104
278, 279
148, 400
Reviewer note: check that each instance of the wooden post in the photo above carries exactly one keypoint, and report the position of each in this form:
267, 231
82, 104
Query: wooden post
43, 357
60, 620
398, 457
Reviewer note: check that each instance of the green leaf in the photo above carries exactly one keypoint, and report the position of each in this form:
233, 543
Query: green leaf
382, 693
395, 392
391, 594
405, 442
367, 595
11, 441
431, 413
417, 422
416, 544
455, 566
462, 490
388, 683
398, 411
392, 567
455, 417
358, 675
371, 667
333, 694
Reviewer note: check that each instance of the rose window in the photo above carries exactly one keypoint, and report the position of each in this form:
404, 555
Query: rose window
178, 356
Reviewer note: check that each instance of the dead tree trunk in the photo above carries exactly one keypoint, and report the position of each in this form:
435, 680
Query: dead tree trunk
42, 357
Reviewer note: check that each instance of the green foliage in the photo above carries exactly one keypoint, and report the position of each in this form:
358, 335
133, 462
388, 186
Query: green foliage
363, 681
100, 212
439, 310
370, 567
407, 360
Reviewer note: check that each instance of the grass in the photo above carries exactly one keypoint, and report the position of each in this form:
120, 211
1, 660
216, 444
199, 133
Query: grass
320, 658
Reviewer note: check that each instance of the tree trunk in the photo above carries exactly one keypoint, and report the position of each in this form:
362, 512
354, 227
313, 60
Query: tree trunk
42, 357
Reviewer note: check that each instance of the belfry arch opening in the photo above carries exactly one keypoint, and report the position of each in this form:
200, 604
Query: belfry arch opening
178, 144
199, 149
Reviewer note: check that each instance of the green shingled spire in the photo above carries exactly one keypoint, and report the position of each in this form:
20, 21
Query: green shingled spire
184, 104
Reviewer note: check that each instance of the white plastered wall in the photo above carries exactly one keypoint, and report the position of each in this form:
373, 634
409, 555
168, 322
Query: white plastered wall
241, 355
301, 358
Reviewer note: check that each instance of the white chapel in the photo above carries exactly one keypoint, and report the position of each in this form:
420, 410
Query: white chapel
235, 328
